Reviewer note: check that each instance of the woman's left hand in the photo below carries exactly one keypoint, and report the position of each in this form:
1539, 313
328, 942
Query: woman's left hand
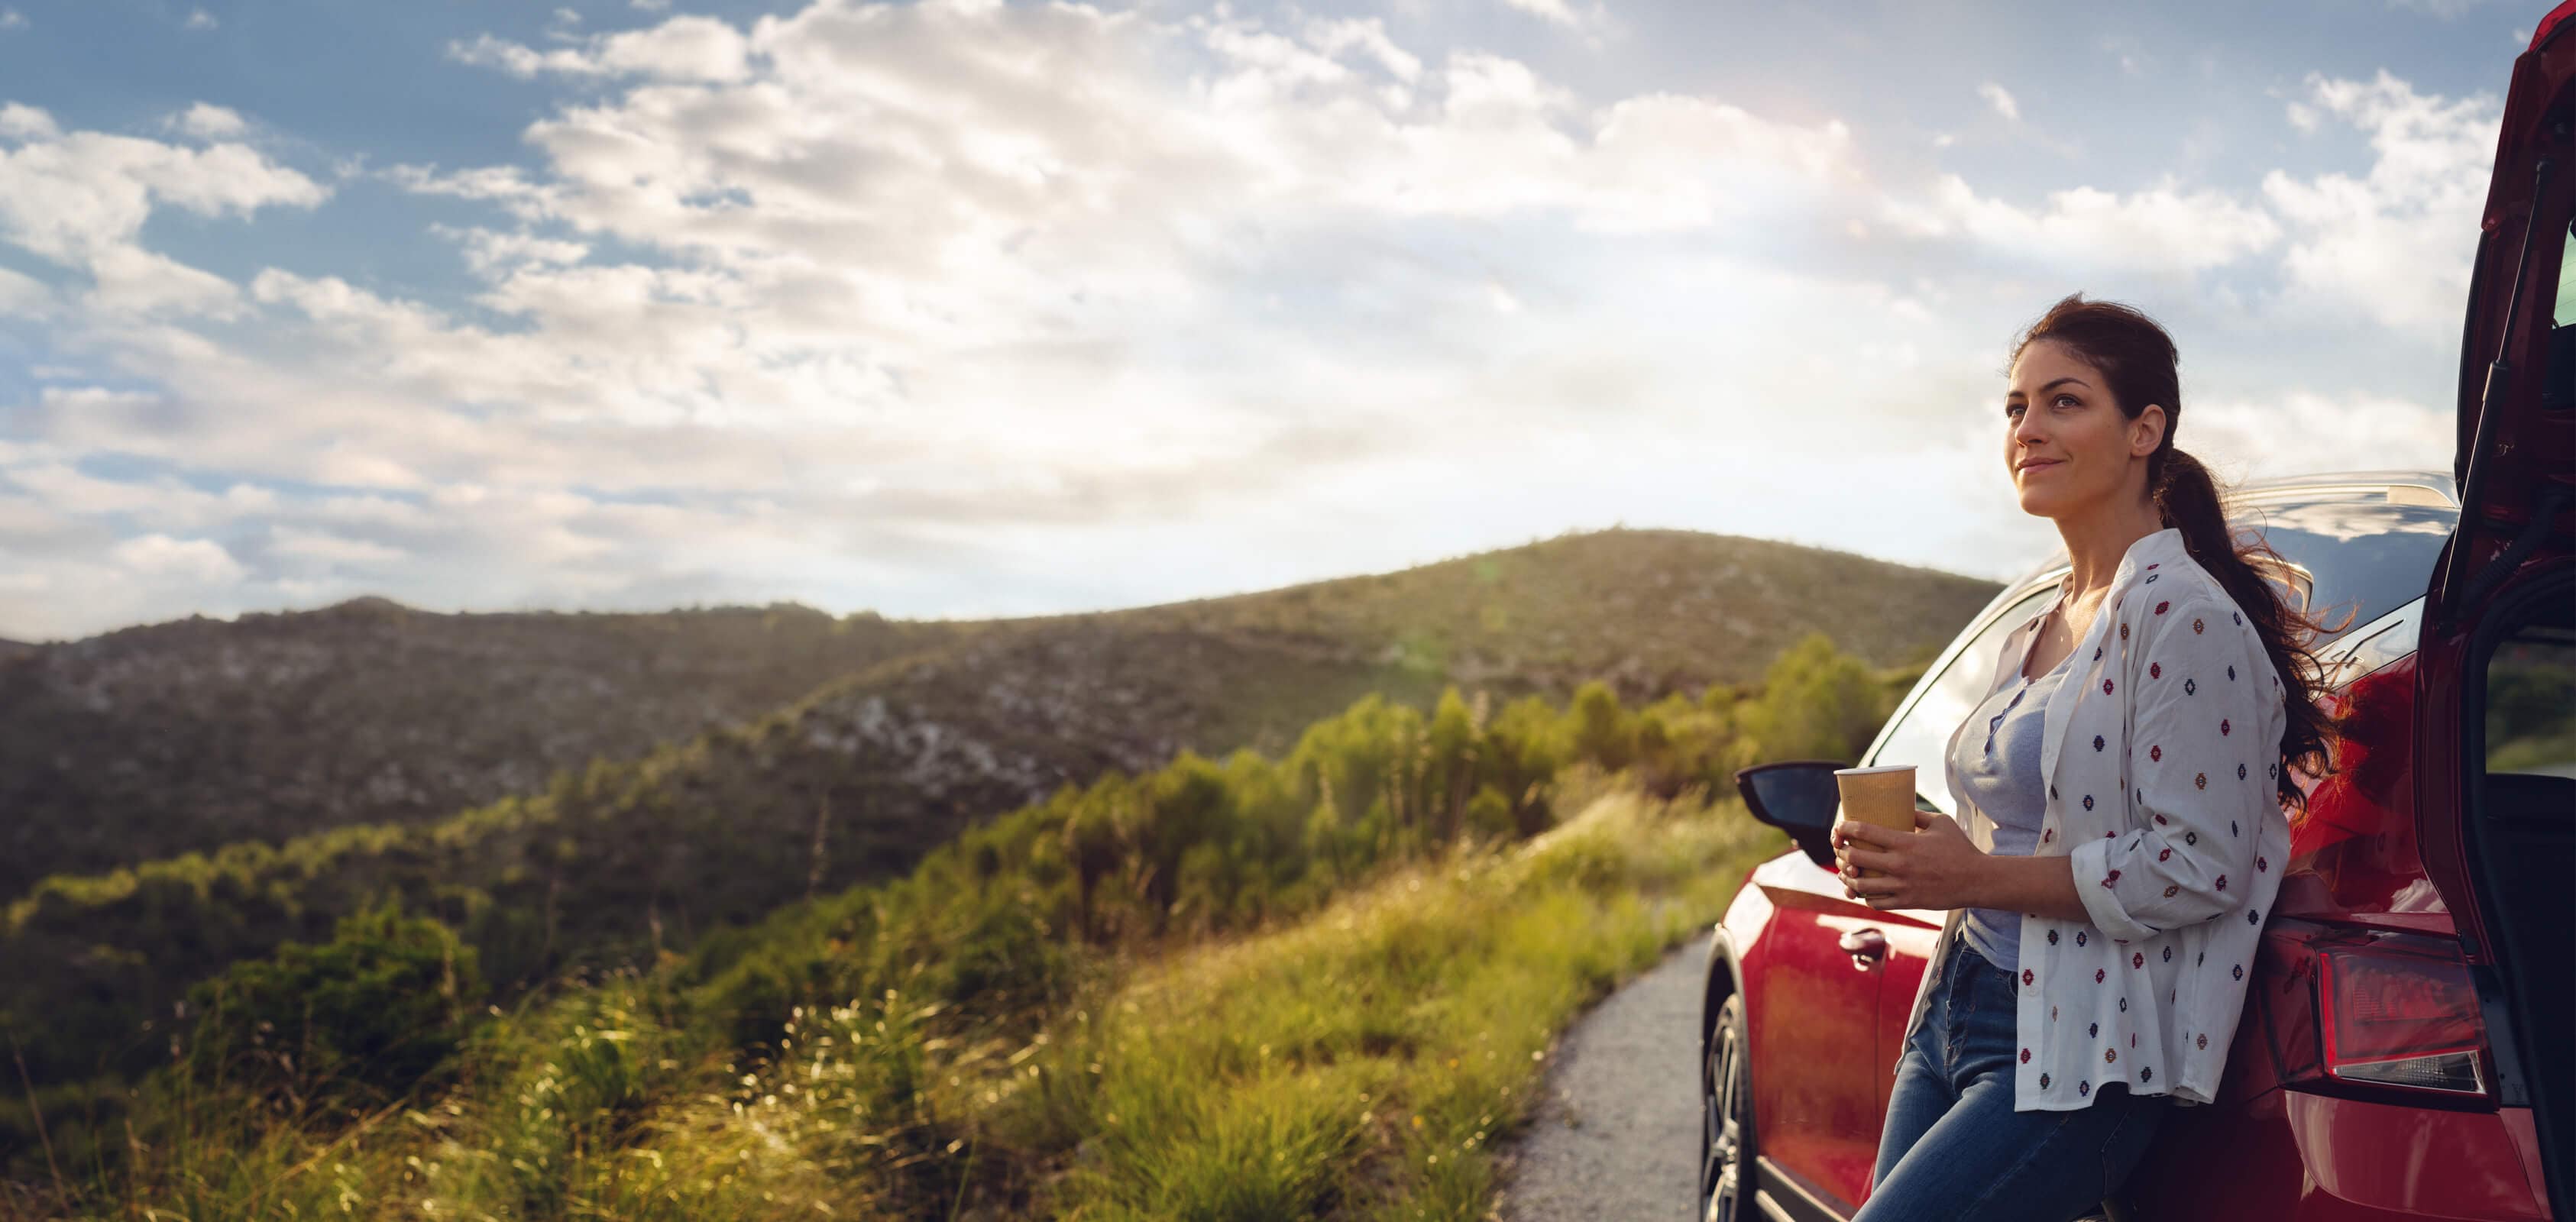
1934, 867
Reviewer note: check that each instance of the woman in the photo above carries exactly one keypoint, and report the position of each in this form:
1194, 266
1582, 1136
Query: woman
2122, 792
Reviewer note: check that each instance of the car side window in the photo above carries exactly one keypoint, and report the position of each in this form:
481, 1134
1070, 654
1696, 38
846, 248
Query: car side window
1924, 730
2558, 381
2531, 713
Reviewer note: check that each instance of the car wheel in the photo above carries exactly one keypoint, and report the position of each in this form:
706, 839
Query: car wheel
1726, 1119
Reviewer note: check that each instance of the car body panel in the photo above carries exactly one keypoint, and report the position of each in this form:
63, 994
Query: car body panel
1813, 1008
1912, 936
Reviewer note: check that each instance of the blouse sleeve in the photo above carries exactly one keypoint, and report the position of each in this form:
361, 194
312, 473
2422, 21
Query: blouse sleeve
2197, 767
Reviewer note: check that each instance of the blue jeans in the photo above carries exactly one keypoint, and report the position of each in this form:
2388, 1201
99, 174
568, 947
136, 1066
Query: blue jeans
1953, 1147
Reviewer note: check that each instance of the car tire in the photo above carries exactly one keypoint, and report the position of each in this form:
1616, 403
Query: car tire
1726, 1118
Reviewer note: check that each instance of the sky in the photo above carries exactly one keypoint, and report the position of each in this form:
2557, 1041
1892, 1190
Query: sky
962, 308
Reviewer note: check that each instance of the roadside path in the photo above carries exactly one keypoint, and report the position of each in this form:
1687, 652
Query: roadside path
1617, 1135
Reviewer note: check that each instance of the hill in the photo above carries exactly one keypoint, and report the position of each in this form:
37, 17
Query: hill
1648, 612
998, 929
622, 864
157, 740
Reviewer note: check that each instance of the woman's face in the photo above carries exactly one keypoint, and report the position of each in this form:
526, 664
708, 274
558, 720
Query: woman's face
2066, 445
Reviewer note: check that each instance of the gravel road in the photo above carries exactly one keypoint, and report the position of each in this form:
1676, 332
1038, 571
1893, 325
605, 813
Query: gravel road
1617, 1136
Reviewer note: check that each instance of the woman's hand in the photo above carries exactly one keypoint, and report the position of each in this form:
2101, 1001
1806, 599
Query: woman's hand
1935, 866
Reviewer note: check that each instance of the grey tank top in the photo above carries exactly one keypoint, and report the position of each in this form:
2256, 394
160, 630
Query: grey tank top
1995, 767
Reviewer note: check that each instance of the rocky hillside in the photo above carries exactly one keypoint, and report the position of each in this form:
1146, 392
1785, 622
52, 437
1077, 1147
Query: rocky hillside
157, 740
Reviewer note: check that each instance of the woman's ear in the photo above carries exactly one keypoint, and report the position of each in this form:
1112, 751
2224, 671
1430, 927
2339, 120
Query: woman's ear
2148, 430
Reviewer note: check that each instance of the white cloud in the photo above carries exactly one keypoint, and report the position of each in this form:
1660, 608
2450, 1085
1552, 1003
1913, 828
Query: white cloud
207, 121
132, 281
21, 122
196, 561
331, 550
12, 19
515, 59
2347, 432
2164, 228
81, 200
2002, 101
493, 253
1334, 38
1549, 10
23, 296
680, 49
2394, 244
163, 501
200, 19
78, 397
71, 198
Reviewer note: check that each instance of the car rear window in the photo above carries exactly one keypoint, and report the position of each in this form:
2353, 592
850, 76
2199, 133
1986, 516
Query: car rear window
2363, 554
2354, 549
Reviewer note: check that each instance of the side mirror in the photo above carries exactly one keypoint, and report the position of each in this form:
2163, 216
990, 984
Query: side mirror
1799, 797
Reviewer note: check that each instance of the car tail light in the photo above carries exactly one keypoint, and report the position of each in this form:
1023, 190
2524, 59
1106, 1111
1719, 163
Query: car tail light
2374, 1012
2399, 1016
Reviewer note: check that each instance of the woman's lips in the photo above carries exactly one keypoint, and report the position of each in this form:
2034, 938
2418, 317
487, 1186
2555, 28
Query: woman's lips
2039, 466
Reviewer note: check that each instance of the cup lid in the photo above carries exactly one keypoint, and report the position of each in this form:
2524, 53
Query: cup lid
1878, 768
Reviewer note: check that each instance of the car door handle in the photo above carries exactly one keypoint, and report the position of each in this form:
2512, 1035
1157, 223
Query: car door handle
1865, 946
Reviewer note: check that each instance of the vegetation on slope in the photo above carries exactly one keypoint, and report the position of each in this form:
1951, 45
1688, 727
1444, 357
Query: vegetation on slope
1358, 1062
837, 1039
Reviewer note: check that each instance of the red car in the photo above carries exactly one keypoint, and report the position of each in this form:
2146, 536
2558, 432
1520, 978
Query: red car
2409, 1046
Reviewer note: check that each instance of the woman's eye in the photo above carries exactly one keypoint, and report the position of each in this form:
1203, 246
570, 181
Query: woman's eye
2066, 398
2010, 408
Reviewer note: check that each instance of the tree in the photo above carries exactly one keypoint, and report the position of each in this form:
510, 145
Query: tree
1816, 703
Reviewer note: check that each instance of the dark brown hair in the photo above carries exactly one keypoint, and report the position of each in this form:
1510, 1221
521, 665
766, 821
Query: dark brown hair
2136, 357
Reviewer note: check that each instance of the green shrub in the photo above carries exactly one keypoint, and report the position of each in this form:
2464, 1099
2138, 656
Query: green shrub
353, 1021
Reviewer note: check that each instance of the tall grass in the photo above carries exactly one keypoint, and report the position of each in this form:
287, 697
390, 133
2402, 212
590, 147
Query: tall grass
1364, 1062
1359, 1063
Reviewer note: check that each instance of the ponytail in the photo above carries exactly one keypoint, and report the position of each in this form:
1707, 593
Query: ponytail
2187, 499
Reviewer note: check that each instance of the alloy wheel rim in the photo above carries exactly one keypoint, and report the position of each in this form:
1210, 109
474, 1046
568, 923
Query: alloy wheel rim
1722, 1130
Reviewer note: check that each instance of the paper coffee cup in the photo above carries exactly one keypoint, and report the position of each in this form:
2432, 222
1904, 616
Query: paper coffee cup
1883, 795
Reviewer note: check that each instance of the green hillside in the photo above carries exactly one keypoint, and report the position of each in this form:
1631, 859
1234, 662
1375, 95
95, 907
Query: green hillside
1247, 987
1647, 612
153, 741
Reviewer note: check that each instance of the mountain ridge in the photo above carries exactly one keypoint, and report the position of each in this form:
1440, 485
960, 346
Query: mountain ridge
159, 739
